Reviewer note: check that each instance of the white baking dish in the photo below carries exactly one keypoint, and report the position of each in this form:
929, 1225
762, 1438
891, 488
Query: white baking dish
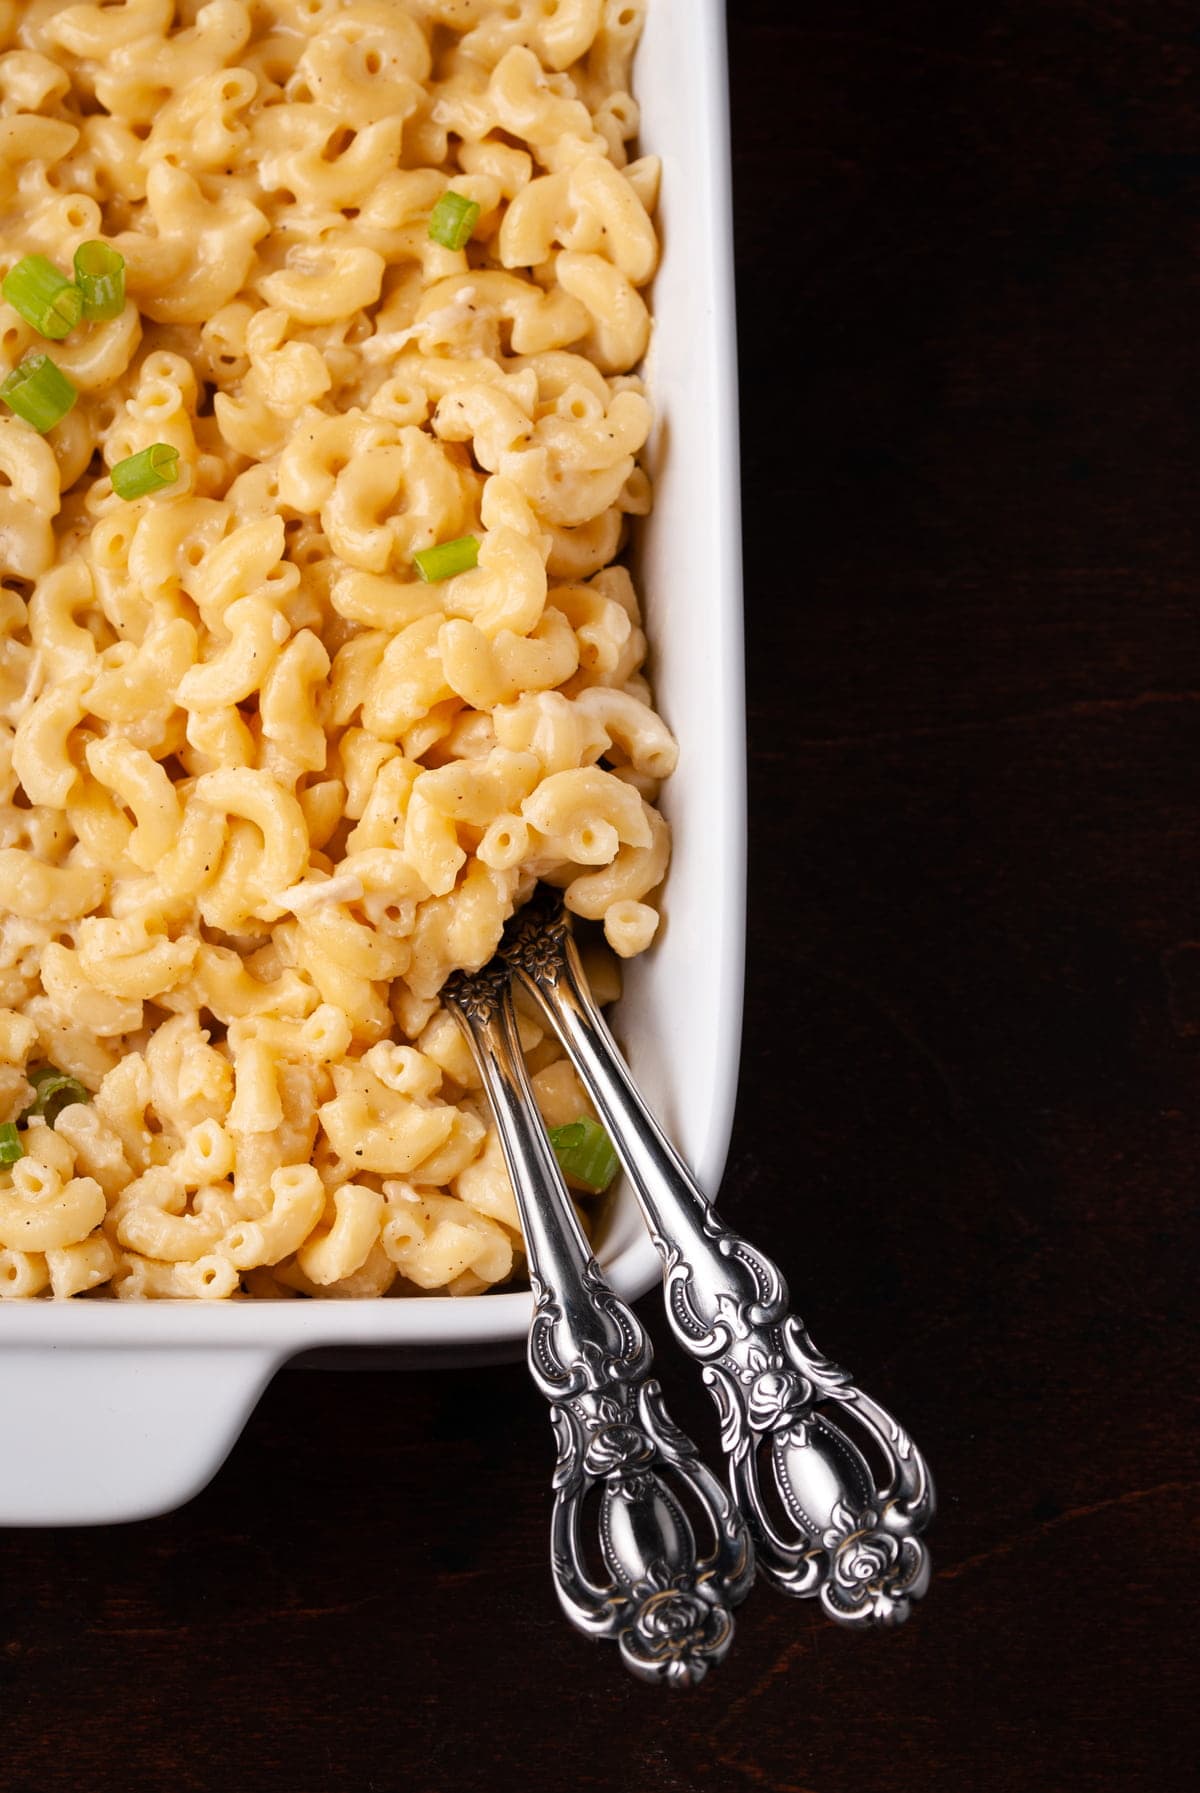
118, 1410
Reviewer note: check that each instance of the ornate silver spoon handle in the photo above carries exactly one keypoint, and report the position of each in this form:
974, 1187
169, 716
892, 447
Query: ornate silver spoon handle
667, 1608
822, 1524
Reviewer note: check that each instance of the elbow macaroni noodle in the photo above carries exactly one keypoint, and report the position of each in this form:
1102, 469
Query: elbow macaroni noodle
262, 789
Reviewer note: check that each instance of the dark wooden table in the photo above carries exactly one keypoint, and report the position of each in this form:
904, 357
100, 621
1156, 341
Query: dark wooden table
968, 246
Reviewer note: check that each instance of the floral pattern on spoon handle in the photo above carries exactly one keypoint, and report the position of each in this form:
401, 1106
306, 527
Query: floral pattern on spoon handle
824, 1525
667, 1607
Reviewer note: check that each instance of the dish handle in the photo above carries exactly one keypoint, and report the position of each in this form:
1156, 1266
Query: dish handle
95, 1434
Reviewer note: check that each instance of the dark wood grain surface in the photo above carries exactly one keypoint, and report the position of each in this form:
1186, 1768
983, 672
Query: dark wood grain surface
968, 240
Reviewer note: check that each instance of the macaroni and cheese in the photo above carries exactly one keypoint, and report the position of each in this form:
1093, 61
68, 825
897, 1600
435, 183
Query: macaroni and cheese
263, 786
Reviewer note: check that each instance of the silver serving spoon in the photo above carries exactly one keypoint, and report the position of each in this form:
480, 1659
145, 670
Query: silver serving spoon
823, 1525
668, 1608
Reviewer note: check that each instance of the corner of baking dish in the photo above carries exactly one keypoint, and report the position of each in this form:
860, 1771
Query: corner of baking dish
118, 1410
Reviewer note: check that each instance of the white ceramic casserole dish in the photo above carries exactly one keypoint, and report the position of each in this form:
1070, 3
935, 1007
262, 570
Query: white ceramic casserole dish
117, 1410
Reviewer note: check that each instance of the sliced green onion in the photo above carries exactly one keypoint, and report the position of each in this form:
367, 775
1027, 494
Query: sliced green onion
56, 1090
585, 1153
147, 471
447, 559
452, 220
100, 277
10, 1143
39, 392
44, 296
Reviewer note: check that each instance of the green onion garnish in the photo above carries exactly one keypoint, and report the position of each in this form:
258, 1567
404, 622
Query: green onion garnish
56, 1090
452, 220
10, 1143
148, 471
100, 277
44, 297
447, 559
39, 392
585, 1152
